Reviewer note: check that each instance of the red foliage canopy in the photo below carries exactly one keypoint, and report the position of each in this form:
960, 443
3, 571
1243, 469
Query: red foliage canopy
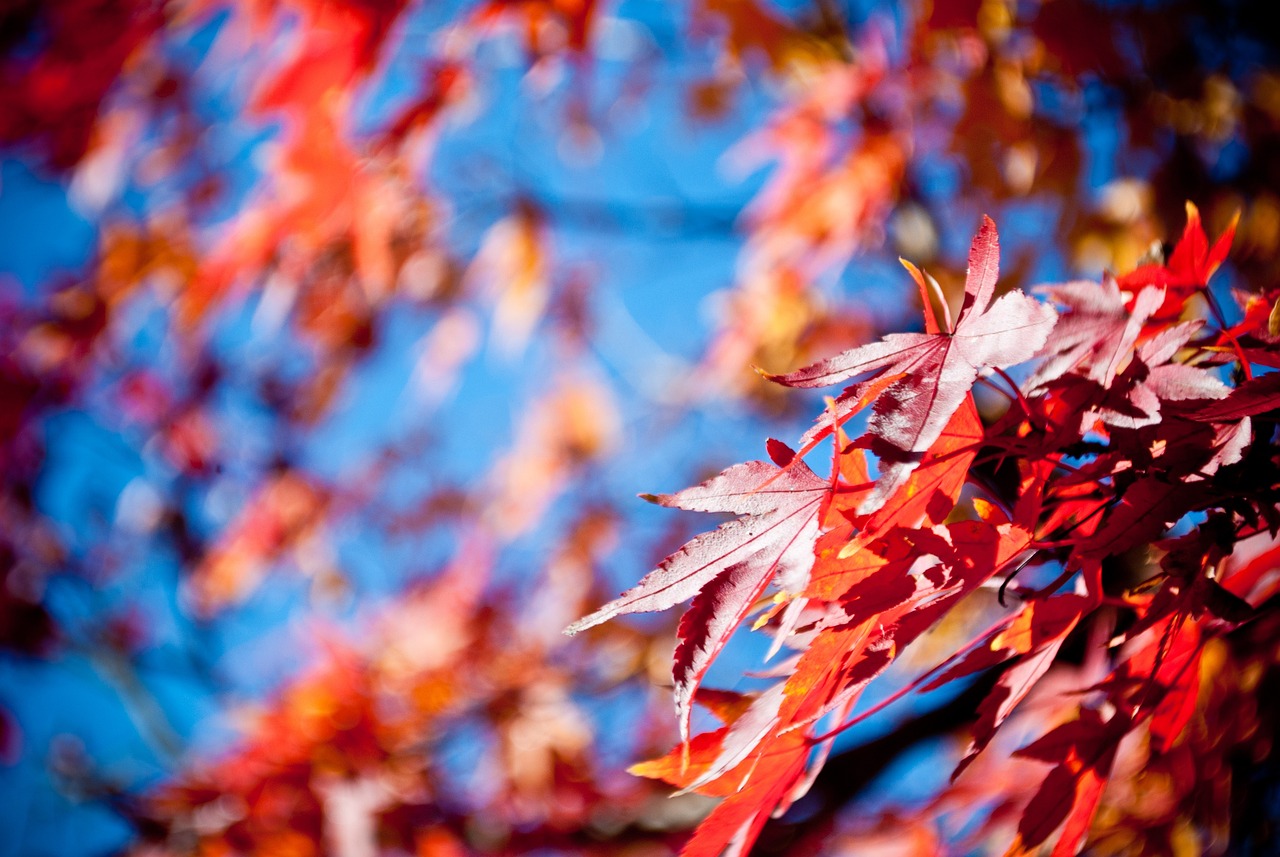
1167, 444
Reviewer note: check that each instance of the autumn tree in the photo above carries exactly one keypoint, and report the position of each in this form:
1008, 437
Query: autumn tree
339, 337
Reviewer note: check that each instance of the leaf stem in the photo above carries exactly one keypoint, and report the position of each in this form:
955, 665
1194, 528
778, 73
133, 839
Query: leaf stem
1013, 385
1222, 326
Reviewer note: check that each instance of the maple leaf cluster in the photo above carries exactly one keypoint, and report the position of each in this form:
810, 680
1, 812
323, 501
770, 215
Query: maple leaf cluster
1125, 433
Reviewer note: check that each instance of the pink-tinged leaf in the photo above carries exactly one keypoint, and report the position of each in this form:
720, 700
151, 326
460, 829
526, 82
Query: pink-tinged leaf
1178, 382
897, 351
1135, 400
710, 621
938, 370
1133, 407
911, 414
984, 266
1253, 397
683, 574
789, 619
752, 488
1230, 444
1161, 348
1094, 331
1097, 331
776, 536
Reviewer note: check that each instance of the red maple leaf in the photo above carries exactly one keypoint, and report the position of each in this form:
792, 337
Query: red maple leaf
938, 369
928, 496
1083, 751
726, 570
1096, 332
1189, 267
1249, 399
1036, 633
751, 787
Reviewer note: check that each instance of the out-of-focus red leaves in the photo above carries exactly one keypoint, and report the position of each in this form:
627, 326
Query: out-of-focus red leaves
548, 26
575, 423
340, 41
827, 196
355, 751
1069, 795
50, 97
10, 739
512, 269
25, 625
284, 518
752, 31
445, 84
1254, 573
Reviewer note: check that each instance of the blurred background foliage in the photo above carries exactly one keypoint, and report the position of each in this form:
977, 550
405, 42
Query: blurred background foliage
339, 335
